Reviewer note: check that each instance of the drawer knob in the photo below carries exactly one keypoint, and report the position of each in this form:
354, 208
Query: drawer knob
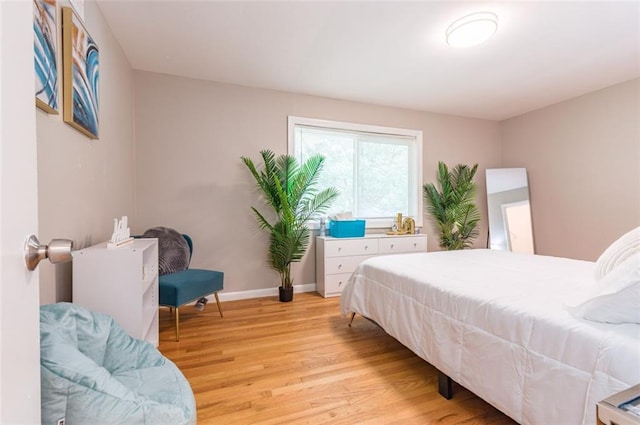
366, 247
340, 283
391, 246
415, 244
339, 249
339, 266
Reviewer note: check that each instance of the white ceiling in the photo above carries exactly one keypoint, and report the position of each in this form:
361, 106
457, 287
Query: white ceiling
390, 52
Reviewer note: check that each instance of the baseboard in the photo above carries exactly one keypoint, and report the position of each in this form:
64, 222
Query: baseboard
266, 292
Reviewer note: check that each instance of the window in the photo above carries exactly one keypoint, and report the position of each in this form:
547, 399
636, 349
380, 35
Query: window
378, 170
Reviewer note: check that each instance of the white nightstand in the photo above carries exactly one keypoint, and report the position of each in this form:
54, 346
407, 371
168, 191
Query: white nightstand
612, 410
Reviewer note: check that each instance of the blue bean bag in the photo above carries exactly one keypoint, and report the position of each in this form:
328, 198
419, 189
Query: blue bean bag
93, 372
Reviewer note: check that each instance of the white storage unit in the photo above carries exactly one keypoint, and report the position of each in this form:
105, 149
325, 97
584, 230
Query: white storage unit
337, 258
121, 282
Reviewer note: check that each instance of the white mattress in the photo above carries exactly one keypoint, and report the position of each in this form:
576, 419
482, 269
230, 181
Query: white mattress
496, 323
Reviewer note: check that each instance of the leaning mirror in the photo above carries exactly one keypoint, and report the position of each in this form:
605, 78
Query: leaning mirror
509, 210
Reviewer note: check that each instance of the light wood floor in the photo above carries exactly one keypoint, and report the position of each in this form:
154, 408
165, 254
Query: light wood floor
268, 362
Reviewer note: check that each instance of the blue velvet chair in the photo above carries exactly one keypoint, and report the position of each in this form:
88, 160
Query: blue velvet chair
185, 286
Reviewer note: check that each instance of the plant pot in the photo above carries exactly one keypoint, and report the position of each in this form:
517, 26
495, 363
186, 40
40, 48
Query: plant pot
286, 294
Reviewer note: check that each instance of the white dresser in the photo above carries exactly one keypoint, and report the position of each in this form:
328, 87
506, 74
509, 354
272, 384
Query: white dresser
121, 282
337, 258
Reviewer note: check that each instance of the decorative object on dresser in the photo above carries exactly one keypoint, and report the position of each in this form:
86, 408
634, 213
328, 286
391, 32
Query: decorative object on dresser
403, 227
452, 208
122, 283
178, 283
291, 189
337, 258
347, 228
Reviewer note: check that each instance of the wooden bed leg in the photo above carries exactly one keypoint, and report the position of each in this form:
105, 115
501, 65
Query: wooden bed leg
353, 315
445, 386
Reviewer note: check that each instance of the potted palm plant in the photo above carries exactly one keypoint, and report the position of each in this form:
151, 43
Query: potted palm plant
452, 207
290, 189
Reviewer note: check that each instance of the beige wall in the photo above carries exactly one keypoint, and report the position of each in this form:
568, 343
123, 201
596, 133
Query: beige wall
190, 135
83, 184
583, 159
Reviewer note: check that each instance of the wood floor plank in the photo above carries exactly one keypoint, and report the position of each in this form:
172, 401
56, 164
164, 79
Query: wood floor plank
271, 363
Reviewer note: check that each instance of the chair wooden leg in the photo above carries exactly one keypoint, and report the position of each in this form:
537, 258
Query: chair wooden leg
218, 302
177, 324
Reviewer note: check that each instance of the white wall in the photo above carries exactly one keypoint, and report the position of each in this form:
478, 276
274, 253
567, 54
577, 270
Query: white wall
190, 135
19, 318
84, 184
583, 160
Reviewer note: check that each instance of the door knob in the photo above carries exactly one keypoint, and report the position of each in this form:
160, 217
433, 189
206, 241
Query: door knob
58, 251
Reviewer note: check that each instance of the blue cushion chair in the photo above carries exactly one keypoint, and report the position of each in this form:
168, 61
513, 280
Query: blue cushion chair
189, 285
93, 372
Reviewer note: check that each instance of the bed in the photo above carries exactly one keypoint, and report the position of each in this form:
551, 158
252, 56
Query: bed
498, 323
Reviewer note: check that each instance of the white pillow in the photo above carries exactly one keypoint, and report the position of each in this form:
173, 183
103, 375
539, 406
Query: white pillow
617, 299
621, 249
621, 307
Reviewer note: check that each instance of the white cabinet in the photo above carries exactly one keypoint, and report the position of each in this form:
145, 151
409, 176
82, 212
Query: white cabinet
337, 258
400, 244
121, 282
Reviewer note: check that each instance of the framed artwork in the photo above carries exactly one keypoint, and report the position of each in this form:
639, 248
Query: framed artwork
45, 57
78, 6
80, 70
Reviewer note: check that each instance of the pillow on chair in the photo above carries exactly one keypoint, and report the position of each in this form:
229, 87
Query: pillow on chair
173, 250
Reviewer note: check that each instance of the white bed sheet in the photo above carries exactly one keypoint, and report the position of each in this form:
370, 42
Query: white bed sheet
496, 322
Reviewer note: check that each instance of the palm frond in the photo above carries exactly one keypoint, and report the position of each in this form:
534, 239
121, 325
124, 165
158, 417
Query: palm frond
303, 186
452, 207
318, 204
291, 190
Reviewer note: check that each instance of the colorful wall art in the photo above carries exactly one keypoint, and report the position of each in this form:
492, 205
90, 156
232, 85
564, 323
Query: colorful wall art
80, 68
45, 54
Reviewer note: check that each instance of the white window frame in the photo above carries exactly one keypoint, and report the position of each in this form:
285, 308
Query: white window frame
416, 135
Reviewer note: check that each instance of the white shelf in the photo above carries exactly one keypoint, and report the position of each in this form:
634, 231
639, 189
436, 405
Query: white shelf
149, 281
121, 282
151, 328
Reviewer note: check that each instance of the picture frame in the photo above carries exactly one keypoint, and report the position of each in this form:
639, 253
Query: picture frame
78, 6
45, 55
80, 63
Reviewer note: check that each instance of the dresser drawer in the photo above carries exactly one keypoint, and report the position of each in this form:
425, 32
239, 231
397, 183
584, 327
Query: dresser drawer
335, 282
334, 265
348, 247
403, 244
337, 258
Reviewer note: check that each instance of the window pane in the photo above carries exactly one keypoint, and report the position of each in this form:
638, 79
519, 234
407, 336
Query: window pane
378, 170
383, 179
338, 150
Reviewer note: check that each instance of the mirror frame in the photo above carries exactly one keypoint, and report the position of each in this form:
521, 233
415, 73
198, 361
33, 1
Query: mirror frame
509, 210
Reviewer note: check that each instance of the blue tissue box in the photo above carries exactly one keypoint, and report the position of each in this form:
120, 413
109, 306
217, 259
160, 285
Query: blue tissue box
346, 228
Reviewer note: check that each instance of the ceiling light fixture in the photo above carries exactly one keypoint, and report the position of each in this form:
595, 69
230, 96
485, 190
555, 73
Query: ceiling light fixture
472, 29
